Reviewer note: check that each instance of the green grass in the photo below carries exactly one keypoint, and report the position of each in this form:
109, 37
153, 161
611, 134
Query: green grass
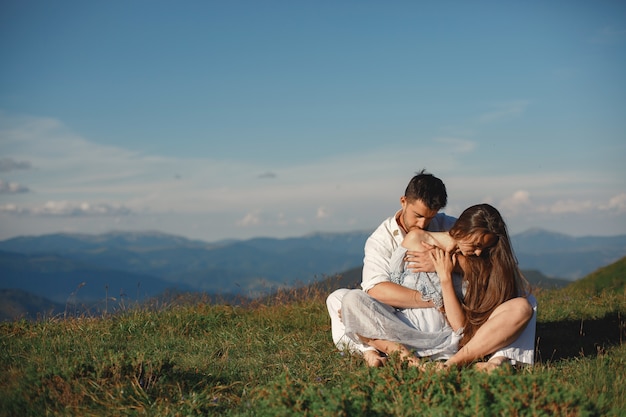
276, 357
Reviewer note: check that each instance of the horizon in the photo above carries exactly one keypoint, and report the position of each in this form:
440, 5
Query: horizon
215, 121
157, 232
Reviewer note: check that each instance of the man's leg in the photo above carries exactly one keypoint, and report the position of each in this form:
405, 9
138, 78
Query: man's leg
333, 303
503, 327
370, 354
338, 330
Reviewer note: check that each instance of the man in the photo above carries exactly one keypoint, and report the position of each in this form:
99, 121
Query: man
424, 196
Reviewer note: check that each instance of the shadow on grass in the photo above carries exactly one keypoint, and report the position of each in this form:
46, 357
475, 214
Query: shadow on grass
577, 338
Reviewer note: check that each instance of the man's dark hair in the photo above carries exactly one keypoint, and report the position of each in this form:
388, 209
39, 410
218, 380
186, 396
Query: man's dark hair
428, 189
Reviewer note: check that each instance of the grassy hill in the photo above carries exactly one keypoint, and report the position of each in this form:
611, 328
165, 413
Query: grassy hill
610, 278
275, 357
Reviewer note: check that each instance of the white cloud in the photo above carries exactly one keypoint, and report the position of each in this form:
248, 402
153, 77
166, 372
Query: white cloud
10, 208
504, 111
69, 208
9, 164
250, 219
617, 203
322, 213
520, 200
572, 206
12, 188
456, 145
77, 181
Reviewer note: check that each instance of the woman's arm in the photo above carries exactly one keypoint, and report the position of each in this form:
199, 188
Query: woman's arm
418, 244
413, 241
444, 265
398, 296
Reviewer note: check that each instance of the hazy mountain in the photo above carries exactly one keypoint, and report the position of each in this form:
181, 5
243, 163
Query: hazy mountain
563, 256
77, 242
231, 267
535, 241
139, 265
62, 279
18, 304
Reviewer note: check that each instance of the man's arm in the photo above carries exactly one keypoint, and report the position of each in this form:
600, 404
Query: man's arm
379, 249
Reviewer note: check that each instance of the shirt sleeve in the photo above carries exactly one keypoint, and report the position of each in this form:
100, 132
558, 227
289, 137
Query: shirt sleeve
379, 248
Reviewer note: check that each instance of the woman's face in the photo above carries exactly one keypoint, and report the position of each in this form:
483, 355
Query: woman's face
473, 245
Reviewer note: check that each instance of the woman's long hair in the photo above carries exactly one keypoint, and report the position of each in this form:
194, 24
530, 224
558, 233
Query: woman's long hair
493, 277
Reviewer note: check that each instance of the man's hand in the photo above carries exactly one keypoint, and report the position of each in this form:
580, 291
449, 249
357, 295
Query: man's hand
420, 261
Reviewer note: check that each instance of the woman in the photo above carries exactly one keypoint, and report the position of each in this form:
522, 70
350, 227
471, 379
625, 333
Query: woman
478, 246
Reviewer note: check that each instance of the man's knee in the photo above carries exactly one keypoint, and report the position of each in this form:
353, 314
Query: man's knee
334, 299
352, 298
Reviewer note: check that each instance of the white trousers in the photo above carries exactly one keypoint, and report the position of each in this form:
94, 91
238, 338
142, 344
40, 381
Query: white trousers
522, 350
343, 342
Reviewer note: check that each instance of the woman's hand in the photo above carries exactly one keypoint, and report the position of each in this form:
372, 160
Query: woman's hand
444, 263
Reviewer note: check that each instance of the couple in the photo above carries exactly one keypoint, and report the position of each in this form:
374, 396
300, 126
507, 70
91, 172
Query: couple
415, 275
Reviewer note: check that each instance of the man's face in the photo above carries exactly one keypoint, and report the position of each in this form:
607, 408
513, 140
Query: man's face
415, 214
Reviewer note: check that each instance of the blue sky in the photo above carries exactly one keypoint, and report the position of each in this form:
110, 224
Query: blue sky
240, 119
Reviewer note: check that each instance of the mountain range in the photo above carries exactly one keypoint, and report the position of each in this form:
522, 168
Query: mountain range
72, 268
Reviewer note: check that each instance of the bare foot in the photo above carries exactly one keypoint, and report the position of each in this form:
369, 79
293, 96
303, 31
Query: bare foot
374, 359
440, 366
437, 366
492, 364
414, 362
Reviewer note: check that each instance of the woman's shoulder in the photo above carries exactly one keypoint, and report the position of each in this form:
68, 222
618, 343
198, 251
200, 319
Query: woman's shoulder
414, 239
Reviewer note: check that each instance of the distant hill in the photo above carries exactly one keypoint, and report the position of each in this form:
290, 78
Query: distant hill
18, 304
539, 280
562, 256
352, 279
143, 264
248, 268
61, 280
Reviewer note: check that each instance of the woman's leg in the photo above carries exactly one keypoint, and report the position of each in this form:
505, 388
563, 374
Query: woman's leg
504, 325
